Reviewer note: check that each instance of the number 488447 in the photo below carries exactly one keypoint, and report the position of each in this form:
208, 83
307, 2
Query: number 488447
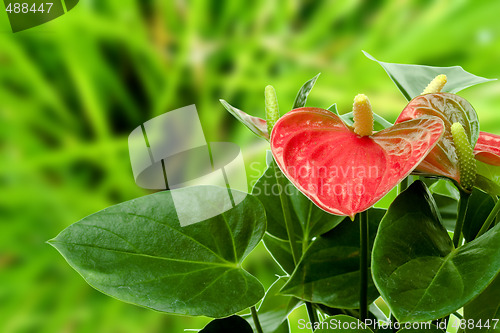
24, 8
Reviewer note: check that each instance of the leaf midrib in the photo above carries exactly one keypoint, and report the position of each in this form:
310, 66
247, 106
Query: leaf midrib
426, 290
225, 264
218, 255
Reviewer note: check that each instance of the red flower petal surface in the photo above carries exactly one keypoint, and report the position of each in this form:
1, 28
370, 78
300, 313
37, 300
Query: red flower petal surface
487, 148
451, 108
338, 170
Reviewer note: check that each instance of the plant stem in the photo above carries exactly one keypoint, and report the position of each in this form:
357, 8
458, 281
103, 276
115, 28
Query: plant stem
290, 231
462, 210
313, 317
286, 214
256, 320
363, 265
489, 219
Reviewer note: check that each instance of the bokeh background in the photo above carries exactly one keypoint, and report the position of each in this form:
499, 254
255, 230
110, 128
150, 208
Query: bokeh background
73, 89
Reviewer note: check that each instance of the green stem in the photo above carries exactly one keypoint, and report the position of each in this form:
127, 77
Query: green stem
286, 214
462, 211
313, 317
363, 265
256, 321
489, 219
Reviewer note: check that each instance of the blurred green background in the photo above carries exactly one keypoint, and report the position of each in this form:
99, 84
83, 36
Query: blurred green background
73, 89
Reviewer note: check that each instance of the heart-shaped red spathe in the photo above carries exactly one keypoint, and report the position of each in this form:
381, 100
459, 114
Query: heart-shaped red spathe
451, 108
341, 172
487, 148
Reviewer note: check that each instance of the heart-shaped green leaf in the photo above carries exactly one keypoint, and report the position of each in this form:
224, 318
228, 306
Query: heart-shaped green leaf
484, 310
340, 171
228, 325
138, 252
451, 108
411, 80
415, 266
257, 125
342, 323
275, 308
301, 98
328, 272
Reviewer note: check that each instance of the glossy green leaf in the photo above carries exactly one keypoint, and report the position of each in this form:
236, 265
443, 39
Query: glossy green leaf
138, 252
280, 251
328, 272
257, 125
301, 99
484, 309
334, 109
309, 220
275, 308
446, 196
415, 266
342, 323
448, 210
411, 80
488, 178
228, 325
283, 328
479, 207
445, 188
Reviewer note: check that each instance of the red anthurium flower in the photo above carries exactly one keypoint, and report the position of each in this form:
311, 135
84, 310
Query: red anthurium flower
451, 108
341, 171
487, 148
